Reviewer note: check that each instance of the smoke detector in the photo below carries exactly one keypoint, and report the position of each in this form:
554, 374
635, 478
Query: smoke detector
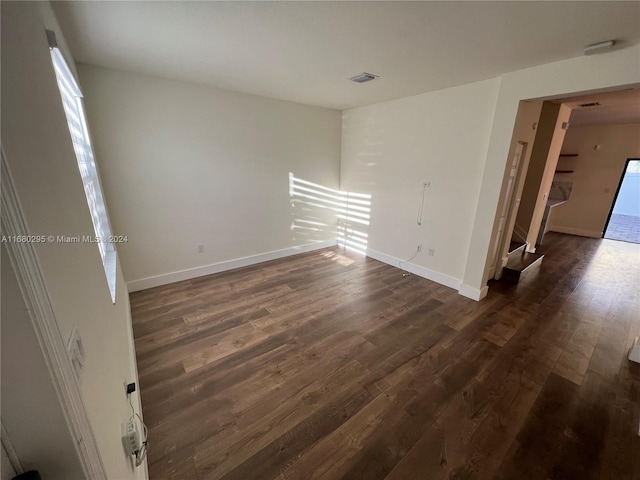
364, 77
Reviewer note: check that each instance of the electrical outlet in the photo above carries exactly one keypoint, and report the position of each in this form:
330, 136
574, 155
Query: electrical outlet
426, 184
432, 252
419, 248
200, 248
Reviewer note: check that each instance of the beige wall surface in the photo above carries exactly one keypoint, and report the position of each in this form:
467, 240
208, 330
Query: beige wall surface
390, 149
38, 148
595, 177
186, 165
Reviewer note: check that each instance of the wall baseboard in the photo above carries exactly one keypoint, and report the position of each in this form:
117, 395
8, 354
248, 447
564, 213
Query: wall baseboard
433, 275
575, 231
423, 272
473, 293
164, 279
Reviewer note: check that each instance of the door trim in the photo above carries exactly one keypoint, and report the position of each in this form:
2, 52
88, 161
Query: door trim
510, 204
615, 197
32, 285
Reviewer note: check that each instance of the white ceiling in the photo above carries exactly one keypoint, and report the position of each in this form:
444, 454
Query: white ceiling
307, 51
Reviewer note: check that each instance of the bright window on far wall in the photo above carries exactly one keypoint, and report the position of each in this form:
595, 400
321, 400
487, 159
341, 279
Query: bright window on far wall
74, 111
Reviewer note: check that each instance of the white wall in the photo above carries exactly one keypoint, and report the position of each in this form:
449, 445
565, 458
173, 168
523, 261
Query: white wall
31, 412
184, 165
595, 177
577, 75
40, 155
390, 149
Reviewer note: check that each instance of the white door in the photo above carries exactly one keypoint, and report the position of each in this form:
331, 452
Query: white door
500, 239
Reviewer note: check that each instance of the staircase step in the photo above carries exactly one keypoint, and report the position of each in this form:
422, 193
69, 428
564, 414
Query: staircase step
516, 250
515, 246
518, 266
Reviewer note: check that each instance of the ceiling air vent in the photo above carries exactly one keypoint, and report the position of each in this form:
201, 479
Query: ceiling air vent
592, 104
364, 77
599, 47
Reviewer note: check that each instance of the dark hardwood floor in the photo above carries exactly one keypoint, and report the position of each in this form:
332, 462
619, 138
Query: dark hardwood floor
331, 365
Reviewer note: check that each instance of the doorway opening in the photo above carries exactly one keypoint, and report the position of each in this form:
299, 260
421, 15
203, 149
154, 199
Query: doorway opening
623, 222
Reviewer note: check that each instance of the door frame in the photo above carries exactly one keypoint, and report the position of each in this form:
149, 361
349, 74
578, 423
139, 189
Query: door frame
615, 197
14, 461
25, 263
510, 203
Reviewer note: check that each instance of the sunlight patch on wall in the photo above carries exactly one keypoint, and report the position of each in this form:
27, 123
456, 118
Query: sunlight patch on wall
313, 206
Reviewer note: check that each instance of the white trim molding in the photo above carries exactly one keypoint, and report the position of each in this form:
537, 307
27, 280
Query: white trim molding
576, 231
423, 272
10, 451
473, 293
180, 275
433, 275
27, 268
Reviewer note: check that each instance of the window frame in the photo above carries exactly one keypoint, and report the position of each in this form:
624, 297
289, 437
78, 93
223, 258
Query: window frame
71, 99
